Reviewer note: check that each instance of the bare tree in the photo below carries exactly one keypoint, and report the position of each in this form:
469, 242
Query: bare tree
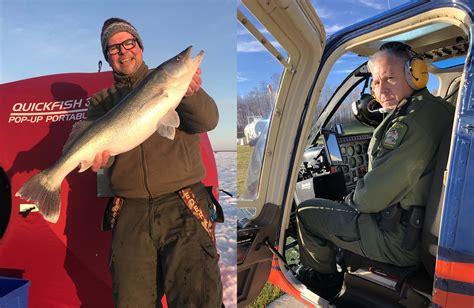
258, 103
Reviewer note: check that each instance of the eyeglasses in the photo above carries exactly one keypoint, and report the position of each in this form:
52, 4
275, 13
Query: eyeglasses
127, 44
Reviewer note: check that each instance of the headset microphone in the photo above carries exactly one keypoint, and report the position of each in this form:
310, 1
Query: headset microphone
380, 110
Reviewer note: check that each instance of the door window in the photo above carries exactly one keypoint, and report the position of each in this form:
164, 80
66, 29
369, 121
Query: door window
258, 79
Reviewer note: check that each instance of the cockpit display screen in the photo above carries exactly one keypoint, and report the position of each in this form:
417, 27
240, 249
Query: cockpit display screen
332, 149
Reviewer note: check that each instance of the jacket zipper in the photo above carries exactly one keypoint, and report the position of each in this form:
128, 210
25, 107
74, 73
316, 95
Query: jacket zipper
142, 153
145, 173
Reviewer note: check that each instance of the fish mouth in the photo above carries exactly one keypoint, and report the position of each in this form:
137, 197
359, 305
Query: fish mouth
182, 63
186, 55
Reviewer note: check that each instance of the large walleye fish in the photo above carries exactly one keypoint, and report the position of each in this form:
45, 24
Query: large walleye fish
148, 108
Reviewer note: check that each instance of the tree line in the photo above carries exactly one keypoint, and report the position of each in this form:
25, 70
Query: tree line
259, 103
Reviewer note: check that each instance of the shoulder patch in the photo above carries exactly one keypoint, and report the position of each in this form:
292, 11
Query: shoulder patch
394, 136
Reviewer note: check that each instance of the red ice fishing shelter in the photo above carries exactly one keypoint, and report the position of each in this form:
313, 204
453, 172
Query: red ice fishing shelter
66, 262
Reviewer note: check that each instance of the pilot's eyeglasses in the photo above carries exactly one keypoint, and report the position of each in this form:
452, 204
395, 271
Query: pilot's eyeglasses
127, 44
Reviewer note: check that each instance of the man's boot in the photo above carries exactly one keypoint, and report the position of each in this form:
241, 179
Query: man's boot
325, 285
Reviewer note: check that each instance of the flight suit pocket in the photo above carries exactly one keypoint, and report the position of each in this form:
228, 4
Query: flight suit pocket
350, 234
348, 238
346, 228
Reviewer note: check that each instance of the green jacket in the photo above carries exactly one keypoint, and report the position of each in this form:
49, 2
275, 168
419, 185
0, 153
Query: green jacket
402, 154
158, 165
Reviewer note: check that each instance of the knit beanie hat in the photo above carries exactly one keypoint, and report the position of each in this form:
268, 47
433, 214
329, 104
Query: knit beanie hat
114, 25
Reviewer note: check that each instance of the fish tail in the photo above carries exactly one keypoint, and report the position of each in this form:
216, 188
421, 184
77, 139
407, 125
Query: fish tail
43, 194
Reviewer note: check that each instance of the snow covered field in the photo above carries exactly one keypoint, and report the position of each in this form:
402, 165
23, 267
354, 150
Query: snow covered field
226, 233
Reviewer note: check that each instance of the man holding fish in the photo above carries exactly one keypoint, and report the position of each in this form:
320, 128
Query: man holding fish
145, 128
157, 243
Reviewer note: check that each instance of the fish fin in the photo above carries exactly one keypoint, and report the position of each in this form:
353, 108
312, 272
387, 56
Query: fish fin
168, 123
167, 131
76, 131
170, 119
84, 165
44, 195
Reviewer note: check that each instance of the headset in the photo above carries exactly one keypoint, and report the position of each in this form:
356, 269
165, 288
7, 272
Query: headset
416, 70
366, 109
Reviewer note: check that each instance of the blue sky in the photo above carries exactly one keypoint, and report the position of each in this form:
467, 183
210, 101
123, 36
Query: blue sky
254, 66
45, 37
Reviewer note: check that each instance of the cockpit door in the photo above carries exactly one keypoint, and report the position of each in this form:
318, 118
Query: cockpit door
298, 44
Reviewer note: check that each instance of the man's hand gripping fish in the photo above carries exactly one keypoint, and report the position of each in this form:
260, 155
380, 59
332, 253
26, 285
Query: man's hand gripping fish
148, 108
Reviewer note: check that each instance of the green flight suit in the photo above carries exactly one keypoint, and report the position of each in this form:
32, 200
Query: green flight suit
402, 155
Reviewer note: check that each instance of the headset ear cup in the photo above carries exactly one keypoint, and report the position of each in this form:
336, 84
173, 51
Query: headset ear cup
420, 71
416, 73
372, 91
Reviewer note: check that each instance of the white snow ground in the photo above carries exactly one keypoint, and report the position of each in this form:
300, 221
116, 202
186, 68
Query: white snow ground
286, 300
226, 233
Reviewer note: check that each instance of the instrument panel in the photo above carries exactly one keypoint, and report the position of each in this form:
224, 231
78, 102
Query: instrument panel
354, 155
317, 169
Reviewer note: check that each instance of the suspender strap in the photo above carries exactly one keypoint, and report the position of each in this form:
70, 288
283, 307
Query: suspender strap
192, 204
111, 213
